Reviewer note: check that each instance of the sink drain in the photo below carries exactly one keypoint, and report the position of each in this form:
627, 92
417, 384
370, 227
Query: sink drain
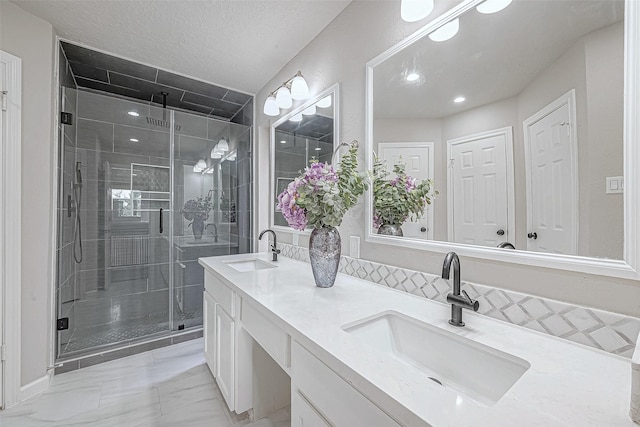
435, 380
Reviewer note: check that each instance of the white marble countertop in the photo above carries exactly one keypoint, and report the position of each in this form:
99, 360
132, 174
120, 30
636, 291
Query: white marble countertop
567, 384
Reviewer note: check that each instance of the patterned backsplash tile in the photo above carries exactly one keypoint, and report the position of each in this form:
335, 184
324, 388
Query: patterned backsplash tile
611, 332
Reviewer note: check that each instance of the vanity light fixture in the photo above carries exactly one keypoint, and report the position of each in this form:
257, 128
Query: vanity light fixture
459, 99
412, 77
296, 118
216, 155
223, 145
282, 98
133, 113
324, 102
415, 10
446, 32
492, 6
133, 140
310, 111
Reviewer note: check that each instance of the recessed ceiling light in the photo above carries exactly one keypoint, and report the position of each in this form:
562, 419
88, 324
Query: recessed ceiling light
492, 6
133, 113
412, 77
459, 99
317, 148
133, 140
445, 32
283, 142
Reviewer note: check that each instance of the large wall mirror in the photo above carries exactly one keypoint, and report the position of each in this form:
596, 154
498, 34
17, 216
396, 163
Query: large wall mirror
518, 117
308, 132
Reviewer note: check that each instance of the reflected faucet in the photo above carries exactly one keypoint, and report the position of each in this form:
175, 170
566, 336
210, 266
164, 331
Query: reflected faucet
506, 245
215, 231
275, 251
458, 301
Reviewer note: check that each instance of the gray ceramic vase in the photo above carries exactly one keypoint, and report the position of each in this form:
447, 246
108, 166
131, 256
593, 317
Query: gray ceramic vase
390, 230
324, 252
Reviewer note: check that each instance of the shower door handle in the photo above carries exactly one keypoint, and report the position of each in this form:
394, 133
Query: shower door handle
161, 225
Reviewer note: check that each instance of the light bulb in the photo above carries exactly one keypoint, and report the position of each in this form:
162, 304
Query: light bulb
415, 10
309, 111
412, 77
299, 88
271, 106
324, 102
196, 168
283, 98
223, 145
445, 32
296, 118
202, 165
216, 155
492, 6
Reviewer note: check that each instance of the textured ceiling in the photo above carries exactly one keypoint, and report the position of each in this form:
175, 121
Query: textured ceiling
492, 57
237, 44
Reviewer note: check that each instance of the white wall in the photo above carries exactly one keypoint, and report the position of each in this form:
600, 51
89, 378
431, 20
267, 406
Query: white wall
32, 39
339, 54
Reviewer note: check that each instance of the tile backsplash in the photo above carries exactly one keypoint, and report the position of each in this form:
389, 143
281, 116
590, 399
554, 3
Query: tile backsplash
611, 332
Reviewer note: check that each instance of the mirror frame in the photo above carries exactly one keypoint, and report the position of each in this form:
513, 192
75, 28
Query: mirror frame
629, 266
333, 89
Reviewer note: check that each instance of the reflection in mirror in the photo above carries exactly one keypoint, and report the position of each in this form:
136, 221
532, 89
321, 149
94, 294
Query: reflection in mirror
523, 113
305, 134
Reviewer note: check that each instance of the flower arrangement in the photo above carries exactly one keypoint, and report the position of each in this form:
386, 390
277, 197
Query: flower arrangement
321, 195
197, 208
398, 199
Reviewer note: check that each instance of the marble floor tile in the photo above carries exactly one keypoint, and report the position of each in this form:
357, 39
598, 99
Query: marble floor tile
169, 386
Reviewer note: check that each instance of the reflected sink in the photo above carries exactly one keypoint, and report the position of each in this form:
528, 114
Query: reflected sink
250, 265
474, 370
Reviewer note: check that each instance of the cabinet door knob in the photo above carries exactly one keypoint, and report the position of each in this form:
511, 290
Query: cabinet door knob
533, 235
500, 232
423, 229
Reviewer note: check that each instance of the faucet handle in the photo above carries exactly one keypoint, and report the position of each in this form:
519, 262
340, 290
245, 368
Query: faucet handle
474, 305
274, 249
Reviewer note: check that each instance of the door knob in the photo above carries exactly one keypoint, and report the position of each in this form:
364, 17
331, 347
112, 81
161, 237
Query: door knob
423, 229
500, 232
533, 235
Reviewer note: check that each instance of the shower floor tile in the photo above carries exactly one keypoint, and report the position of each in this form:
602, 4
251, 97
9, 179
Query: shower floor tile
171, 386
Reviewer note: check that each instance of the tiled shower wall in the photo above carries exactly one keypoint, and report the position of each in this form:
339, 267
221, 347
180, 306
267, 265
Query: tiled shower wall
610, 332
65, 280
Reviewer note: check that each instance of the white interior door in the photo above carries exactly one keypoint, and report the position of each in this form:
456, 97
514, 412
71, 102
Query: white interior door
418, 156
552, 202
3, 142
480, 197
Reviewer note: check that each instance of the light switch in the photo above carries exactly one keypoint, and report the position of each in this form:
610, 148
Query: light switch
354, 246
614, 184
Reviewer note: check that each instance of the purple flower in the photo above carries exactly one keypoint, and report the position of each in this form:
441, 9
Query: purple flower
293, 214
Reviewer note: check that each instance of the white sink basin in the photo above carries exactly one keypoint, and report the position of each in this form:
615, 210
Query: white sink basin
474, 370
250, 265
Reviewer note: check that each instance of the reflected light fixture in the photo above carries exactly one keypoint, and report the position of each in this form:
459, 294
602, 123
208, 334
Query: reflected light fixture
309, 111
283, 142
133, 113
296, 118
459, 99
318, 149
216, 155
492, 6
415, 10
271, 106
133, 140
324, 102
412, 77
223, 145
445, 32
282, 98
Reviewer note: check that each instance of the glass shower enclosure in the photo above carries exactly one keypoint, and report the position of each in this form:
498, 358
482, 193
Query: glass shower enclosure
144, 192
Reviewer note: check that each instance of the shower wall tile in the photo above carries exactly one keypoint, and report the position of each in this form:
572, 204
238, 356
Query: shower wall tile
66, 292
93, 224
95, 135
89, 281
65, 263
188, 124
140, 305
92, 255
89, 313
119, 274
95, 168
149, 142
111, 109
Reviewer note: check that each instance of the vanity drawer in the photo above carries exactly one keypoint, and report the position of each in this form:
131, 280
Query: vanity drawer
274, 340
220, 292
333, 398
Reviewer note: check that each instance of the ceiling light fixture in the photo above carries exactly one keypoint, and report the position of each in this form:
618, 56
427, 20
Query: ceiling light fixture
324, 102
412, 77
492, 6
133, 140
446, 32
459, 99
133, 113
282, 98
415, 10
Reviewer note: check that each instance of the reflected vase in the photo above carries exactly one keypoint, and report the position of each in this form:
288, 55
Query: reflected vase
390, 230
197, 226
324, 253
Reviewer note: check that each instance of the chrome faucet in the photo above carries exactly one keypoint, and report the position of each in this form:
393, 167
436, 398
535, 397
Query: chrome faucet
215, 232
506, 245
458, 301
275, 251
